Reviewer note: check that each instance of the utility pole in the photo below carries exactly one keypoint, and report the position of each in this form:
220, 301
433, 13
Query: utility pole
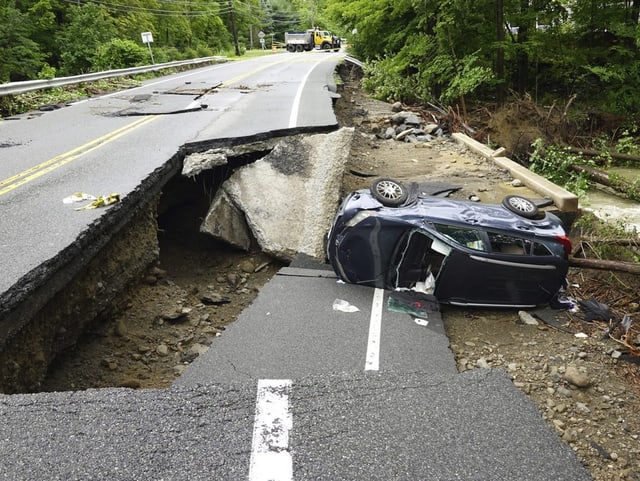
233, 28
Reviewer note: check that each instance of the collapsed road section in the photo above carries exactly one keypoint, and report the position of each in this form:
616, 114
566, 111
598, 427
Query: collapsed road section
274, 192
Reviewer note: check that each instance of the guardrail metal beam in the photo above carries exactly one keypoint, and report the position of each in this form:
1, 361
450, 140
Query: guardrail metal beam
14, 88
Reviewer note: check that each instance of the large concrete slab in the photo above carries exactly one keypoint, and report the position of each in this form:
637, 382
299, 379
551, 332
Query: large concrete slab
287, 199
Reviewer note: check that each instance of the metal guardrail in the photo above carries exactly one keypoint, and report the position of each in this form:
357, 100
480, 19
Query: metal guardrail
14, 88
354, 61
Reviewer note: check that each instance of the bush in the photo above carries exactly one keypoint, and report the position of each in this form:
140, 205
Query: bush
555, 163
118, 53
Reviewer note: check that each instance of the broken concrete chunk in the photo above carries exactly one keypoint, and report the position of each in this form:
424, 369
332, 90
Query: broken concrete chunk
286, 201
396, 107
527, 318
226, 222
214, 298
412, 119
430, 128
200, 161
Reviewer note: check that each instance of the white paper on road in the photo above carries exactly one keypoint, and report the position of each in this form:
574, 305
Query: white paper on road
344, 306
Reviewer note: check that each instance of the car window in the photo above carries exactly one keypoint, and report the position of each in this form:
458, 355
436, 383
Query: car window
541, 250
471, 238
512, 245
507, 244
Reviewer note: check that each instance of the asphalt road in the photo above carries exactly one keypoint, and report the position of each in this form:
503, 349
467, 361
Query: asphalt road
297, 389
110, 144
317, 379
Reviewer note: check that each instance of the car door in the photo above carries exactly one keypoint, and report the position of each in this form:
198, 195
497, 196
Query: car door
494, 268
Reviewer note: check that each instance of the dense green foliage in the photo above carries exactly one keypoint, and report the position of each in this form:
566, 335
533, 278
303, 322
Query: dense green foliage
446, 50
45, 38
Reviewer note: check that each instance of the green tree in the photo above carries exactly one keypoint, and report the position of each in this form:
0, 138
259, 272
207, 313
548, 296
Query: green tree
21, 56
89, 27
45, 17
282, 16
421, 51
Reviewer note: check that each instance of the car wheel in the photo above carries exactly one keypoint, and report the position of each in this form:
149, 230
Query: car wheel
389, 192
521, 206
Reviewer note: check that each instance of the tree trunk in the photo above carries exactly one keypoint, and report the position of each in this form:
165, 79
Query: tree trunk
629, 267
233, 28
522, 57
635, 13
627, 189
501, 93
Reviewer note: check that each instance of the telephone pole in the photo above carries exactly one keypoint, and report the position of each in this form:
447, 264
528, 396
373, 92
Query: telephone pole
233, 28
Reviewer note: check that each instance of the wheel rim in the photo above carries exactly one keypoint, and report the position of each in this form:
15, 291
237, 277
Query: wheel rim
389, 190
521, 205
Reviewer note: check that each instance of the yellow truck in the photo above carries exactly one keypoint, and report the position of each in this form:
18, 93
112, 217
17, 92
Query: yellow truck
314, 38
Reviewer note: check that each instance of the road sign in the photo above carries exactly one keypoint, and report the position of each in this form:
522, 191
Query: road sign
147, 38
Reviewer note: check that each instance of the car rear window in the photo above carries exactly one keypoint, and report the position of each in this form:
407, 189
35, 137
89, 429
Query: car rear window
512, 245
471, 238
484, 241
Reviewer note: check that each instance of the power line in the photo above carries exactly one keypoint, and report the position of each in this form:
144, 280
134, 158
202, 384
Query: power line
154, 11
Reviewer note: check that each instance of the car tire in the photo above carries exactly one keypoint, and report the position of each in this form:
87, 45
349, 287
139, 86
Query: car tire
389, 192
520, 206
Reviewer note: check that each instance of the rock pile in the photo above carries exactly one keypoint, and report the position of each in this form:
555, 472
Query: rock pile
406, 126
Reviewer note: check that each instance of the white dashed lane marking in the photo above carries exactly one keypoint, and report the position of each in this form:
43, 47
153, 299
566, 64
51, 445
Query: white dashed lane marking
270, 456
375, 322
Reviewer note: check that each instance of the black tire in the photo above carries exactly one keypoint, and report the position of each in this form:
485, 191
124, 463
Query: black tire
389, 192
521, 206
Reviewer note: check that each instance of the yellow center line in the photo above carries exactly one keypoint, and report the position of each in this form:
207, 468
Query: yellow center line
311, 58
10, 183
236, 79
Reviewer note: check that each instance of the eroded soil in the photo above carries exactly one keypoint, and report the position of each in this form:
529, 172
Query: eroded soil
589, 396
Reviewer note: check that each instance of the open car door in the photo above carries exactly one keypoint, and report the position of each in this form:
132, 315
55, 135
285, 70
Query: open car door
474, 275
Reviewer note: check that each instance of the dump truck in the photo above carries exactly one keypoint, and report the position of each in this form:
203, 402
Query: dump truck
314, 38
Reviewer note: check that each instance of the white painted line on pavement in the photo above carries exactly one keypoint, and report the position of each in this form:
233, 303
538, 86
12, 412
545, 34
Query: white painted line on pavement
293, 119
373, 344
270, 456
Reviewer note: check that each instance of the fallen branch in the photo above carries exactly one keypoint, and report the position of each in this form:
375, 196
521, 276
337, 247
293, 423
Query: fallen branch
629, 267
615, 242
595, 153
629, 190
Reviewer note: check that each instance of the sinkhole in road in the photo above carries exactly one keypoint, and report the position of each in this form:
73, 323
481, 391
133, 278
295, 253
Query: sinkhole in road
183, 302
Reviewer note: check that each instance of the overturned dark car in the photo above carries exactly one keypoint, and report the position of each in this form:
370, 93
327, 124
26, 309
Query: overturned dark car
395, 237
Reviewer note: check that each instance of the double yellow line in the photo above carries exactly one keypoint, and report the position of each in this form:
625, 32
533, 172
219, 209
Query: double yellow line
10, 183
